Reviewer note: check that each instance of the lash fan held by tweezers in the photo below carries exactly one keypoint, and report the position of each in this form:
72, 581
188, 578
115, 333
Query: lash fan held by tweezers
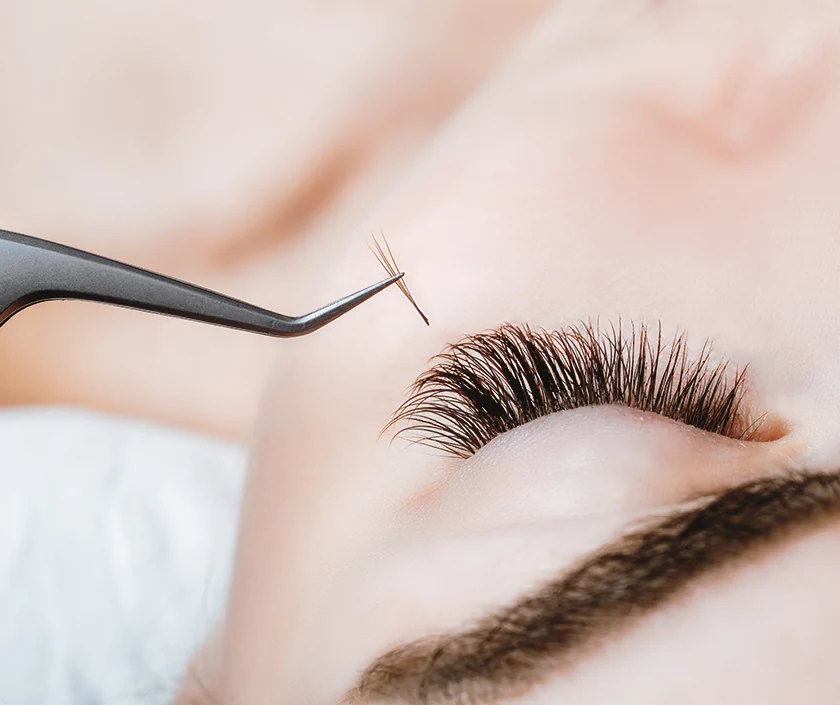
388, 261
33, 270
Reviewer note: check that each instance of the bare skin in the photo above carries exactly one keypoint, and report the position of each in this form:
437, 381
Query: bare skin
209, 145
656, 161
669, 162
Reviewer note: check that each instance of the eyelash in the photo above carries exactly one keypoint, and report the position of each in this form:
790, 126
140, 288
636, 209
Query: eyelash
493, 382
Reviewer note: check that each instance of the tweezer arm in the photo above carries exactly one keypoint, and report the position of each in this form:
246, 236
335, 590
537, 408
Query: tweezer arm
34, 270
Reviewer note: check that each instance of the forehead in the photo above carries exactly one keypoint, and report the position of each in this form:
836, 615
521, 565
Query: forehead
756, 625
762, 632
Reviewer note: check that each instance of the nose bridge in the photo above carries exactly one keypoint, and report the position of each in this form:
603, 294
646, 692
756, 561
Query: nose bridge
800, 392
816, 431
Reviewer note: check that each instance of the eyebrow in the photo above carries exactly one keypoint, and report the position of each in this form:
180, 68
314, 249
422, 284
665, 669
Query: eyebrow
515, 648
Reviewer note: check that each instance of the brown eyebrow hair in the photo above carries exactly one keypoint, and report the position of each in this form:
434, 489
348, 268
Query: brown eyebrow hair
516, 648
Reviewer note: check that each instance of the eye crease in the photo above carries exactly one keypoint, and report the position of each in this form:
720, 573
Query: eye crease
493, 382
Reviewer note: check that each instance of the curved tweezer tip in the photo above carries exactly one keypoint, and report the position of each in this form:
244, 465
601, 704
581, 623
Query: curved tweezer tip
326, 314
34, 270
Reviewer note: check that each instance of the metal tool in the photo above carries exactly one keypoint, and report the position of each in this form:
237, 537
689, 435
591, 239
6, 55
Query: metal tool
34, 270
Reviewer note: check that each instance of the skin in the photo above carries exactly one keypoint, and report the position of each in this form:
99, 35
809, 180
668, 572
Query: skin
206, 143
673, 162
658, 161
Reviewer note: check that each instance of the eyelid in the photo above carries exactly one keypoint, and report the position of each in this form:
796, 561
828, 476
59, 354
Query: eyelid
493, 382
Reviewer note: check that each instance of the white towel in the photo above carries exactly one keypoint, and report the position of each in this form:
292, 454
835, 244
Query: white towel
116, 540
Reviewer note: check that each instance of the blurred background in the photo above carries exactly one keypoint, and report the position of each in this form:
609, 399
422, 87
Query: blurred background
224, 143
228, 144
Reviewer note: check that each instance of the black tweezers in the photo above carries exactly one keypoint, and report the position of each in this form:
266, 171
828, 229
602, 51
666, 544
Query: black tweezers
34, 270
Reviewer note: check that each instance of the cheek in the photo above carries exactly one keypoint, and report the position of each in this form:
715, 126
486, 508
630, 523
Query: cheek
568, 198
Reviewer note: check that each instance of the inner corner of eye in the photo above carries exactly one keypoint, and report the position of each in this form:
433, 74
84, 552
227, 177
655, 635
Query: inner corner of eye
494, 382
761, 427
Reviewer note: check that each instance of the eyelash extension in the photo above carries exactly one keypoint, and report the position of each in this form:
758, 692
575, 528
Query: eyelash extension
388, 261
493, 382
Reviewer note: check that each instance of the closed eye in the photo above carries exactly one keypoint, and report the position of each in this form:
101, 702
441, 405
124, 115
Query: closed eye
493, 382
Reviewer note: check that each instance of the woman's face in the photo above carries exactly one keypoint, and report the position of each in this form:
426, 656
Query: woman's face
650, 163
